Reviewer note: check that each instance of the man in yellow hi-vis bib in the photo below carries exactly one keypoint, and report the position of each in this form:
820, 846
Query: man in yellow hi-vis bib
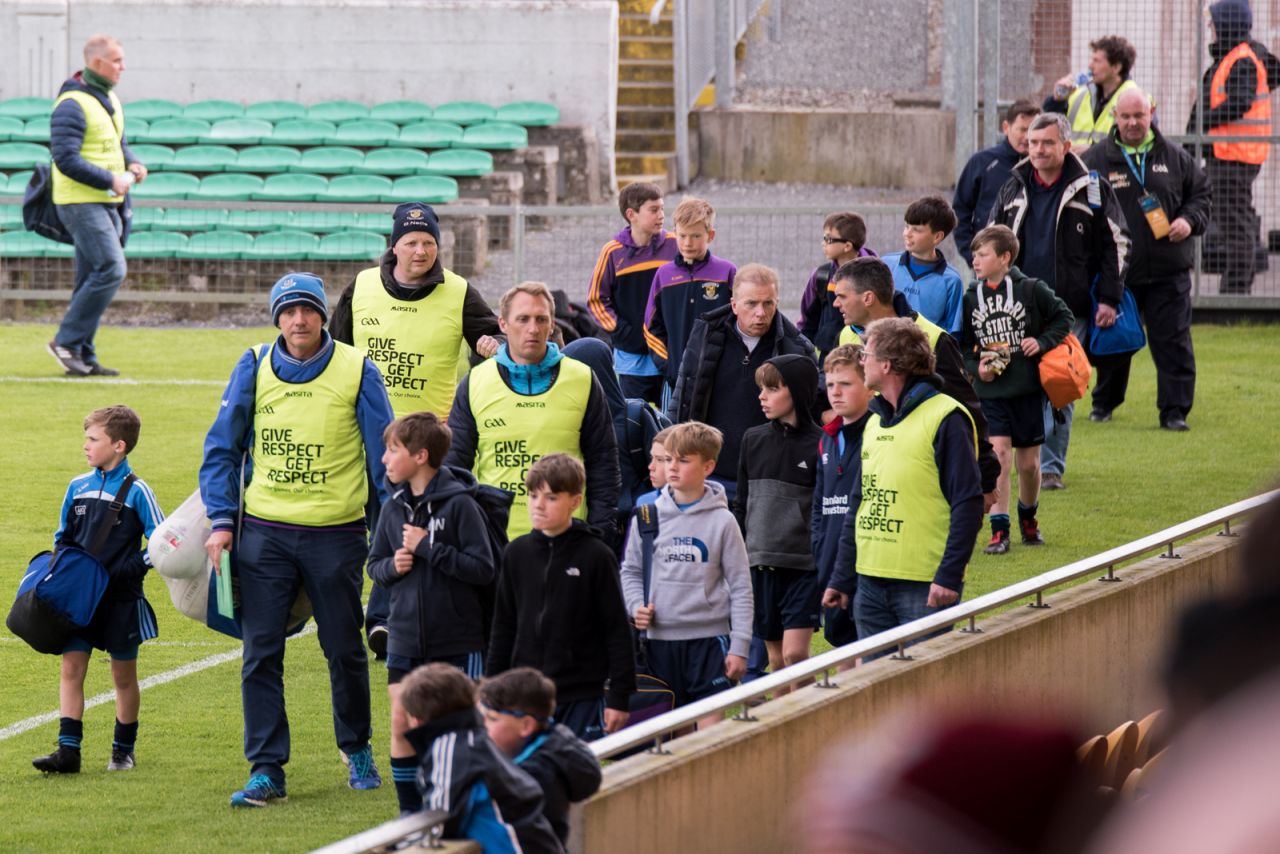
92, 172
529, 401
917, 506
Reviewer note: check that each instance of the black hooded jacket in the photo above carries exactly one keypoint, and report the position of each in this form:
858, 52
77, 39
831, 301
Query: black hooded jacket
567, 771
777, 473
437, 608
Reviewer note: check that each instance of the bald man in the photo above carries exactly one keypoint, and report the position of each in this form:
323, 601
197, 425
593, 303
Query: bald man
93, 171
1166, 199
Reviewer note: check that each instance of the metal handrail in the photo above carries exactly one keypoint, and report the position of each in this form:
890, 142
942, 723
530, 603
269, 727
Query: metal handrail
427, 824
653, 731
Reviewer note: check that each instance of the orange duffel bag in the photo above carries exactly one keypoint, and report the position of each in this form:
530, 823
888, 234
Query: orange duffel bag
1065, 372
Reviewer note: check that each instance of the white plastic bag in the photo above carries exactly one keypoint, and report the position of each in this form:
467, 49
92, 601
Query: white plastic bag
176, 547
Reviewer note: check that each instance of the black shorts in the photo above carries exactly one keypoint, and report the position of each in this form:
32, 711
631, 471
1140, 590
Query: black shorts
398, 666
693, 669
1020, 418
784, 599
584, 717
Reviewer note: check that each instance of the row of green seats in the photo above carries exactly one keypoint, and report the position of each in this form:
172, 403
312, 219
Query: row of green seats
322, 160
369, 134
526, 113
216, 245
297, 187
15, 184
211, 219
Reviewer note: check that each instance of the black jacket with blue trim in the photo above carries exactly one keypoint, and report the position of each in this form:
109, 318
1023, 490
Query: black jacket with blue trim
567, 771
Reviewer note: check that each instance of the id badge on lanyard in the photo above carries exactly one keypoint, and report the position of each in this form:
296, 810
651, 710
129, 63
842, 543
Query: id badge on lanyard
1156, 217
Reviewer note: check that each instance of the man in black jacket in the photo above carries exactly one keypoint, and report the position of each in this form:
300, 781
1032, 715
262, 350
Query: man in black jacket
716, 384
1074, 238
1166, 199
986, 172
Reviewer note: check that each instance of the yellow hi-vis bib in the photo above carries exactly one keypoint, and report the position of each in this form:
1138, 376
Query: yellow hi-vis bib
931, 329
308, 452
514, 430
101, 147
1085, 130
415, 344
904, 518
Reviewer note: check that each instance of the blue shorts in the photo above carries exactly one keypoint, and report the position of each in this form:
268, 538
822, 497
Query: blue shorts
1020, 418
584, 717
399, 666
693, 669
784, 599
129, 653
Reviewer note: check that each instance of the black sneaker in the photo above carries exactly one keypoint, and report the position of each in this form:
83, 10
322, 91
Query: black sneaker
64, 760
1030, 532
999, 543
378, 642
70, 360
121, 760
97, 370
1100, 416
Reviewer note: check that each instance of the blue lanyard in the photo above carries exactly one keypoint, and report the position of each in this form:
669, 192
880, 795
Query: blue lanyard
1141, 176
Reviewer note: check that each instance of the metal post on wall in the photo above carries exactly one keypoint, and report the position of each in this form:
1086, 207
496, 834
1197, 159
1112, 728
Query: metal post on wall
724, 46
959, 75
680, 32
1199, 146
988, 39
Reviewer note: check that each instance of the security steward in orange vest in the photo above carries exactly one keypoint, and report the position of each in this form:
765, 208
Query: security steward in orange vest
1237, 89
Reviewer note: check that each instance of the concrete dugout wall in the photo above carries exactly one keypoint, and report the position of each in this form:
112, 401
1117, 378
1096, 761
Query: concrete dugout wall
493, 51
1092, 655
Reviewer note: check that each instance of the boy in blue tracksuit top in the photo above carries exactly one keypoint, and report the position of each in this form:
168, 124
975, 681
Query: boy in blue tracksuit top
921, 272
688, 287
124, 619
431, 553
839, 450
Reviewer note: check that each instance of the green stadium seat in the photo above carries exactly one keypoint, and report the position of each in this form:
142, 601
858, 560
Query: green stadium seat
364, 132
212, 111
429, 134
151, 109
27, 244
356, 188
401, 112
155, 244
292, 187
204, 158
240, 131
529, 113
393, 161
337, 111
22, 155
17, 183
148, 218
494, 135
167, 185
176, 130
135, 129
192, 219
9, 126
26, 108
258, 220
217, 245
275, 111
460, 162
329, 160
284, 244
10, 217
157, 158
432, 189
267, 158
464, 112
350, 246
322, 222
35, 130
301, 132
229, 186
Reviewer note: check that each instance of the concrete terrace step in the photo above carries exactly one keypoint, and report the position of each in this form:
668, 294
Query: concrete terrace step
633, 162
646, 140
646, 118
663, 180
646, 94
638, 48
646, 71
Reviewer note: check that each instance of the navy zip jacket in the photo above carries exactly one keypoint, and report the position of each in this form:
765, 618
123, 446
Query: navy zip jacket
976, 191
231, 435
957, 477
682, 293
66, 136
567, 771
437, 607
559, 610
837, 477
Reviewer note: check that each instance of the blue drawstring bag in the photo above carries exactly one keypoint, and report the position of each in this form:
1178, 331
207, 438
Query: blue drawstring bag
1125, 337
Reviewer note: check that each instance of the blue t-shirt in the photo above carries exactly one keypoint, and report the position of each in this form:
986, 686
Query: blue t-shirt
934, 289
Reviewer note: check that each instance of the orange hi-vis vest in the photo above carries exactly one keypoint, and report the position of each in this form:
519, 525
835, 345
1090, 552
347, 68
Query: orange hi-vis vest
1257, 119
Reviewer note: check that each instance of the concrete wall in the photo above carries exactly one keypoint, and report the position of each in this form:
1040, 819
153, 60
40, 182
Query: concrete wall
1092, 654
494, 51
903, 148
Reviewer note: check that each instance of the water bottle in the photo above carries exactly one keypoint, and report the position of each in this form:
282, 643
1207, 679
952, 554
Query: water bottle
1061, 93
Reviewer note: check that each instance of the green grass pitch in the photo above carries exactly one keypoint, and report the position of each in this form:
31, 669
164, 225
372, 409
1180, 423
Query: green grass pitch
1125, 479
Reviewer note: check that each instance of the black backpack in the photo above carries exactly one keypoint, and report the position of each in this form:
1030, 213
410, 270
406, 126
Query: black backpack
643, 422
495, 505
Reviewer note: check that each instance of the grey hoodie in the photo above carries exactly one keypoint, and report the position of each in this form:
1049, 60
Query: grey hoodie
701, 585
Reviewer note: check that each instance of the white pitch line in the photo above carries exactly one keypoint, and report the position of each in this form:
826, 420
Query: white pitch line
85, 381
150, 682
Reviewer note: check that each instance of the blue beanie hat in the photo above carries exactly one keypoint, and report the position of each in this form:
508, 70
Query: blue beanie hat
295, 288
414, 216
1232, 16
